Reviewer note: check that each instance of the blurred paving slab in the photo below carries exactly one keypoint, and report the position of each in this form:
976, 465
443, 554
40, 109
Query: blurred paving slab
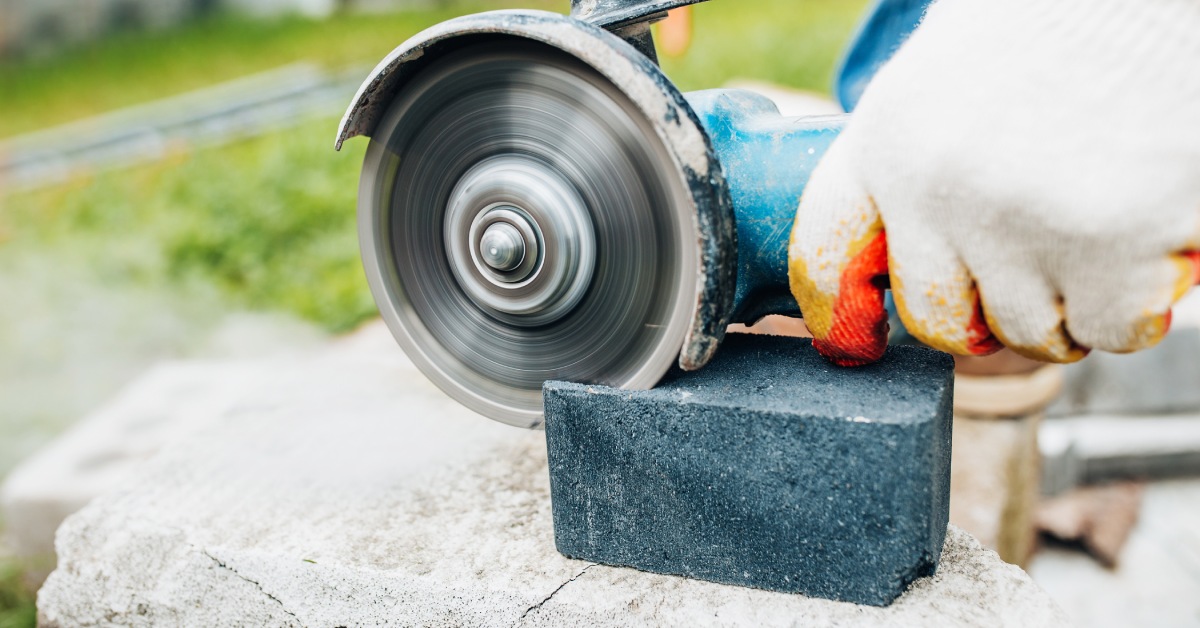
164, 404
1157, 579
346, 490
103, 450
1161, 380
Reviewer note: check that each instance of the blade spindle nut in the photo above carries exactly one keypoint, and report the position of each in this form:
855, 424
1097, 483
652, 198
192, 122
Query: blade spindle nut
502, 247
520, 239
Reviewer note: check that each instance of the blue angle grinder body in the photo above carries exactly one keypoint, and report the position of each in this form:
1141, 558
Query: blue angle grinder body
539, 201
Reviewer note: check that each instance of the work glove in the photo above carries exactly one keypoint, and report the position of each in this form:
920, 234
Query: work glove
1025, 172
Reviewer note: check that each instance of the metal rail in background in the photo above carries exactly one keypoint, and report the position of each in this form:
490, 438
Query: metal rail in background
1086, 450
226, 112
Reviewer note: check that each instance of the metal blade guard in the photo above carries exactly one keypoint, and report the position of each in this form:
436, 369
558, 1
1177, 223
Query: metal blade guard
538, 201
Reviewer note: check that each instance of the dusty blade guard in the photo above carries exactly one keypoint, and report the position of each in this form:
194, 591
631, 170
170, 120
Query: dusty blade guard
539, 202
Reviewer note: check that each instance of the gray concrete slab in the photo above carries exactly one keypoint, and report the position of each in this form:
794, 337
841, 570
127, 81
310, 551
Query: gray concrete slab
346, 490
1157, 579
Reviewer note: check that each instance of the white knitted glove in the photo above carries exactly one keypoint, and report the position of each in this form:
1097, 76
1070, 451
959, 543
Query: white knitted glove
1040, 156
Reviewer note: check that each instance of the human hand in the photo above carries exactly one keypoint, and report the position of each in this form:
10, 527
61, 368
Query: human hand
1025, 172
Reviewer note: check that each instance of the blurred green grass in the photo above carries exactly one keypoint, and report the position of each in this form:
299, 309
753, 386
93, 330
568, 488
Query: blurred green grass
131, 67
270, 221
795, 42
791, 42
17, 603
17, 608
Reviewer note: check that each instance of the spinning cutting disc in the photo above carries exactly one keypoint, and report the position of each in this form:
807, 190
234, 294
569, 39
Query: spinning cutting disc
521, 221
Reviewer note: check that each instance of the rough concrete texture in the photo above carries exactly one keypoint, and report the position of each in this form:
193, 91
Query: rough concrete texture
769, 468
344, 490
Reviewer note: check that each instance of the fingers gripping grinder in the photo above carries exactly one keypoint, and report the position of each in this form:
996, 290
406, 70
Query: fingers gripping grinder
539, 202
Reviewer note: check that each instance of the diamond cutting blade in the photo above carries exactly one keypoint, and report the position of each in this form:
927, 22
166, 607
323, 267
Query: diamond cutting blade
521, 221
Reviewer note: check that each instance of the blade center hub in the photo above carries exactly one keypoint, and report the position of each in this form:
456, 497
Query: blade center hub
502, 247
505, 242
520, 240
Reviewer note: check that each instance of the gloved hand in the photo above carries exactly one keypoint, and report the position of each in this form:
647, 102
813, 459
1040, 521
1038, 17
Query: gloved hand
1036, 167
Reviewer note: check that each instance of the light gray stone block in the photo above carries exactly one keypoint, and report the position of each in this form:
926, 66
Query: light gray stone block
346, 490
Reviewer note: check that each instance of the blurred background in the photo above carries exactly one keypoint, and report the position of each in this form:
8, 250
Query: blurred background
169, 190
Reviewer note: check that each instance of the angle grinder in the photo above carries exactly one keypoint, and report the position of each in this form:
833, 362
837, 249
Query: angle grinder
539, 202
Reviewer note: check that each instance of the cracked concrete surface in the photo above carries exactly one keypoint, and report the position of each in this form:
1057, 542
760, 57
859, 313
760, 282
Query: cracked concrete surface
553, 593
253, 582
344, 490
